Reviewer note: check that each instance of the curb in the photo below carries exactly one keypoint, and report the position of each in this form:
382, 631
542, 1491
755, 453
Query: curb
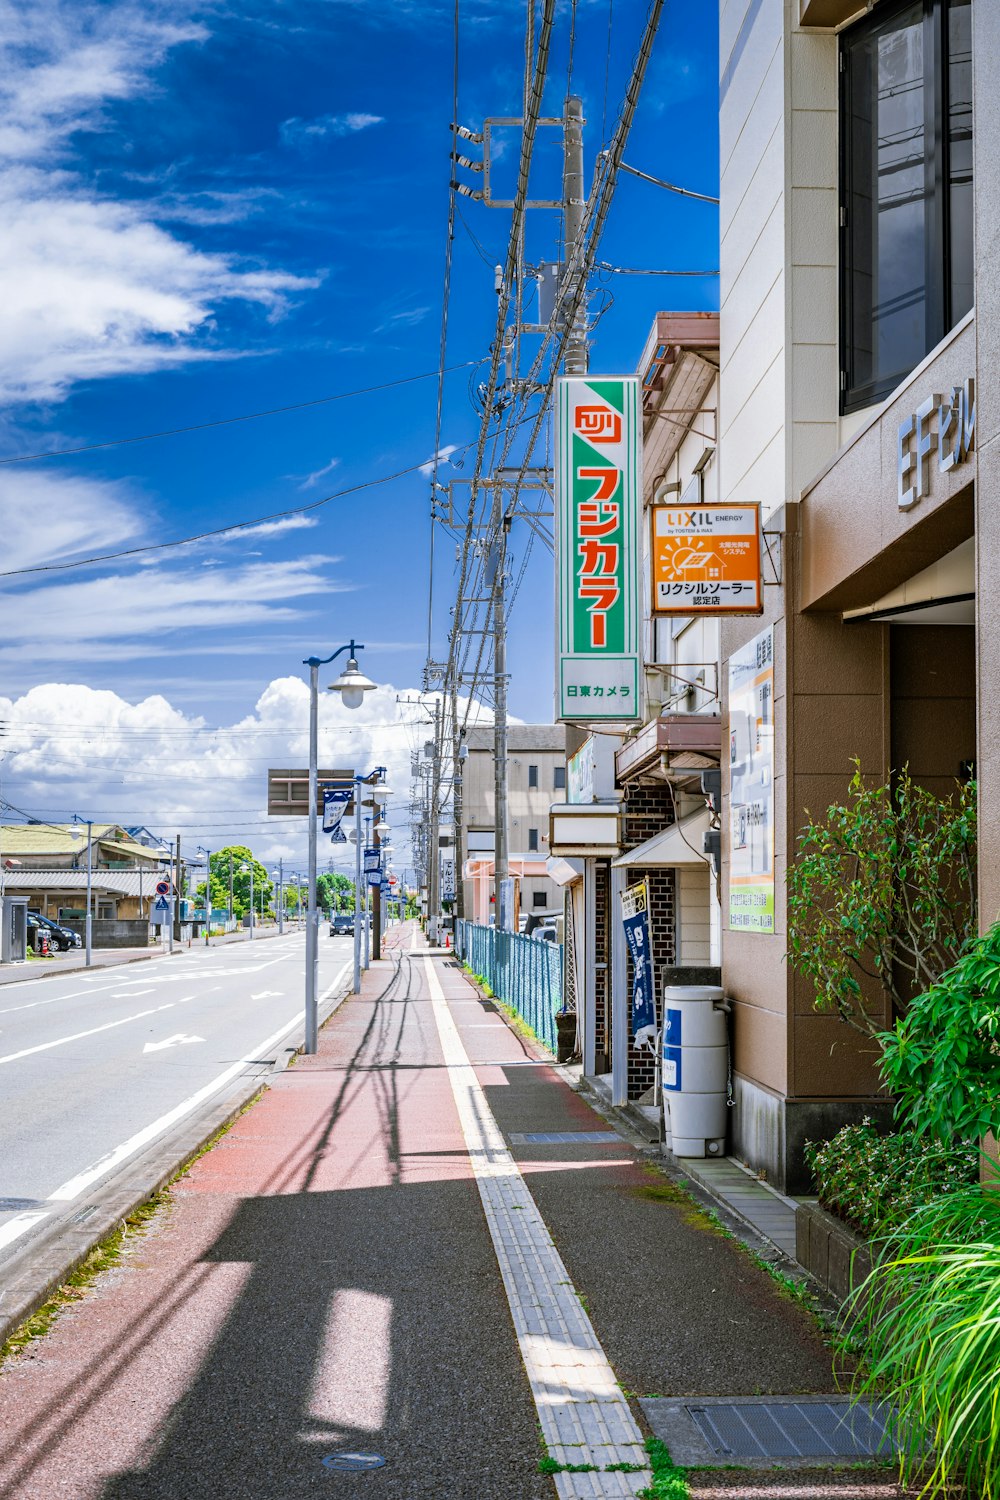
31, 1277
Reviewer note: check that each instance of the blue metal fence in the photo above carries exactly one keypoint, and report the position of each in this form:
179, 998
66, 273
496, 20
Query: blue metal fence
525, 973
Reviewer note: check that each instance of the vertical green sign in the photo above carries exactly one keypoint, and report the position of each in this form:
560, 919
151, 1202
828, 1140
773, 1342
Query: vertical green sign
598, 493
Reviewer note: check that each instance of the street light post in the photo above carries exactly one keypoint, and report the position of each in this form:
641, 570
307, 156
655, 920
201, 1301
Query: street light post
281, 895
243, 870
352, 685
208, 892
88, 922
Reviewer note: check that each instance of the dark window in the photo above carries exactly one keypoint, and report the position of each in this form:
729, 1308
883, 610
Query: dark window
539, 899
559, 778
532, 840
906, 189
532, 775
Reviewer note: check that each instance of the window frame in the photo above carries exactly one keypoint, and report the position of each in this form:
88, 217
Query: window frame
558, 778
534, 846
939, 317
532, 778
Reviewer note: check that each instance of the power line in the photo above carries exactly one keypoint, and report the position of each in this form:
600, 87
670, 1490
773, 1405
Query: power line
604, 265
250, 416
201, 536
671, 187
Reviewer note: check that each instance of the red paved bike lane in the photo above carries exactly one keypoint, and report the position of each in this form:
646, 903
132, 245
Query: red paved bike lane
322, 1279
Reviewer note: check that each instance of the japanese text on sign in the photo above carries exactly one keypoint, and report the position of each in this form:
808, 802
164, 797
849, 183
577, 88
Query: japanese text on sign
597, 502
706, 559
751, 776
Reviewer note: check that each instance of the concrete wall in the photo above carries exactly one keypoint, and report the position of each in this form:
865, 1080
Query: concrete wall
986, 112
112, 934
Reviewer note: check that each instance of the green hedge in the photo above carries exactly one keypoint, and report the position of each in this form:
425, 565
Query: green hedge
875, 1182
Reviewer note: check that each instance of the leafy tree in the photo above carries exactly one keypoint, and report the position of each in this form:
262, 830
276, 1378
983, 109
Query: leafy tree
334, 892
883, 892
241, 855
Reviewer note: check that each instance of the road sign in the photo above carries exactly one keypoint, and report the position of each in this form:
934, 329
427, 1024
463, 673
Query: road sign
161, 911
288, 791
163, 887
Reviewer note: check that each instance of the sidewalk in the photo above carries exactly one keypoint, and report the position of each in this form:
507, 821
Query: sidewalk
418, 1252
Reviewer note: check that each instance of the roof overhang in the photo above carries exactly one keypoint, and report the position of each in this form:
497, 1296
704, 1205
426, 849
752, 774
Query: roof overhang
675, 847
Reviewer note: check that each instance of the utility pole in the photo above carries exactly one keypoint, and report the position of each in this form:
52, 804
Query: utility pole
497, 577
434, 821
574, 204
458, 808
179, 889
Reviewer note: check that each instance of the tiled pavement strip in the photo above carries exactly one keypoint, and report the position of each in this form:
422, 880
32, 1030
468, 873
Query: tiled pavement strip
582, 1411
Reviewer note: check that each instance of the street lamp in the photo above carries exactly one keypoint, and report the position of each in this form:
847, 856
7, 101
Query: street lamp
359, 782
88, 925
243, 870
200, 848
352, 685
279, 876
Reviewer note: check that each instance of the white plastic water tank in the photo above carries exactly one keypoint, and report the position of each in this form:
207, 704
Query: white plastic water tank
695, 1068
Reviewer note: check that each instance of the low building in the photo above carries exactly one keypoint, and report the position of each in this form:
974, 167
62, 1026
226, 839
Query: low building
536, 775
48, 864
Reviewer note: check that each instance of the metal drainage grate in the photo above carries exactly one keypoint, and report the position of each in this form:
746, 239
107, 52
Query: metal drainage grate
565, 1138
770, 1432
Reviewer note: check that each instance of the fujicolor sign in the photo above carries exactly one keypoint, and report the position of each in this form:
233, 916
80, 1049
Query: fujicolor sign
598, 490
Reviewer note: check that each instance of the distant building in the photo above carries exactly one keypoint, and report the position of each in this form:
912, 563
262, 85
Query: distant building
536, 776
48, 863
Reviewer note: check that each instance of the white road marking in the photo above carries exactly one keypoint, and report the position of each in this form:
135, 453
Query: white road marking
267, 995
584, 1417
179, 1040
107, 1163
14, 1228
61, 1041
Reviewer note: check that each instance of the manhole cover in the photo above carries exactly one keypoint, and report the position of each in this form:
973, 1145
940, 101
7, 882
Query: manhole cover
771, 1431
566, 1138
18, 1205
353, 1462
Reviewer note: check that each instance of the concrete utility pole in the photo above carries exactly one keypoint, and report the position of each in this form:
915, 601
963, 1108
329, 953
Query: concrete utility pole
178, 890
574, 204
434, 851
458, 810
497, 578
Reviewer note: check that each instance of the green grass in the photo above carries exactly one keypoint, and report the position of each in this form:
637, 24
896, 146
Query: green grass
106, 1254
103, 1256
669, 1482
928, 1318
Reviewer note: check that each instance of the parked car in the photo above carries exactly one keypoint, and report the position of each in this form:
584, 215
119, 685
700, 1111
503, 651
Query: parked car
61, 938
38, 936
342, 924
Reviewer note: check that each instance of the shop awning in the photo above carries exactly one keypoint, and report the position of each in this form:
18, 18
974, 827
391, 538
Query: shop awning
680, 844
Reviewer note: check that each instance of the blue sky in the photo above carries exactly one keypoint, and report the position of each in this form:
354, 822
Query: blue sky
217, 209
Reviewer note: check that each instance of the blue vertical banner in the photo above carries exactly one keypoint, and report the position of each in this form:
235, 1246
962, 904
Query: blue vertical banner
335, 800
635, 919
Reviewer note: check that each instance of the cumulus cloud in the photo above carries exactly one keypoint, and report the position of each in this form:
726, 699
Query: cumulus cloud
148, 762
298, 132
94, 286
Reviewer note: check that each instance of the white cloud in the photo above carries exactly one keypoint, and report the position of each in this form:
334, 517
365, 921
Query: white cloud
268, 528
298, 132
310, 480
94, 286
45, 518
443, 455
148, 762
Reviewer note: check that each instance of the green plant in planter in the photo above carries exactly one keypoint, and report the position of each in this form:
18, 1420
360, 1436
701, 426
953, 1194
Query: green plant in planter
875, 1181
942, 1061
929, 1315
882, 893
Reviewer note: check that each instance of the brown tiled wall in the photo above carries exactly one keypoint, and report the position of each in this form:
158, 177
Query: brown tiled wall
603, 956
647, 811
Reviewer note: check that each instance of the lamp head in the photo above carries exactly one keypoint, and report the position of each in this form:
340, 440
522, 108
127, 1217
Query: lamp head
352, 685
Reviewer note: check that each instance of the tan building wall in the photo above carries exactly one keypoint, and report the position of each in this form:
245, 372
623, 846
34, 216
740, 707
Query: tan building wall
899, 688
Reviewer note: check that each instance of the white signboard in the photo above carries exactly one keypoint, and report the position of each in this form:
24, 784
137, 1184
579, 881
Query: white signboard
751, 786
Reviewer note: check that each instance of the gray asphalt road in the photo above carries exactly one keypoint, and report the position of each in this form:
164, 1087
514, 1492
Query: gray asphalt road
94, 1066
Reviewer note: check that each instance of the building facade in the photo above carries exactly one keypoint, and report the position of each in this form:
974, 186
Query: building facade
858, 328
536, 775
